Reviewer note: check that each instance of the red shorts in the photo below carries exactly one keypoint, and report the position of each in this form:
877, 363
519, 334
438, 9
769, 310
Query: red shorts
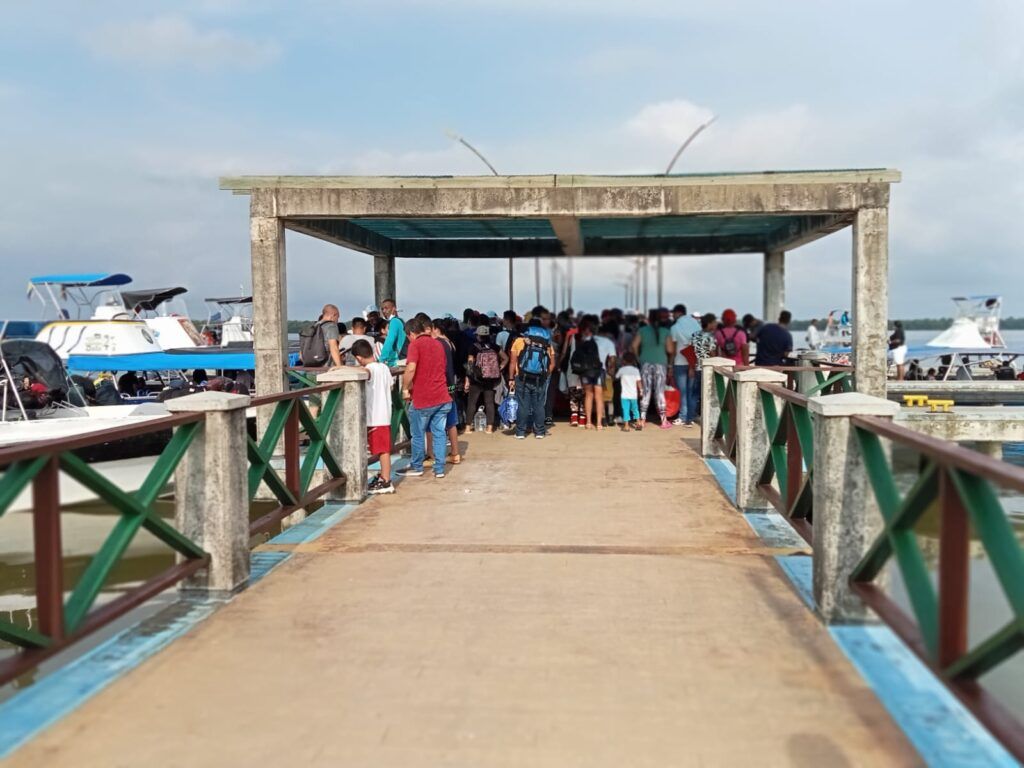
379, 439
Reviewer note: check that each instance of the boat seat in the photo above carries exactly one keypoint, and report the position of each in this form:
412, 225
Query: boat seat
915, 400
945, 405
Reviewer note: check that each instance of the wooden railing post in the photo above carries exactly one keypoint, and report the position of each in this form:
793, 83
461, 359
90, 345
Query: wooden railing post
211, 499
751, 436
710, 408
846, 516
347, 433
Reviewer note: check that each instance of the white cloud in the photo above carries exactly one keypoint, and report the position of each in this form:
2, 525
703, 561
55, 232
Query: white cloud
668, 121
176, 41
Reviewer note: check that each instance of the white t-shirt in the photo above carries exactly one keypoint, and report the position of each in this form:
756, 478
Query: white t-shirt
682, 334
629, 376
378, 395
606, 349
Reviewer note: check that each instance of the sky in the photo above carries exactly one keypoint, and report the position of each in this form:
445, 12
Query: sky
119, 117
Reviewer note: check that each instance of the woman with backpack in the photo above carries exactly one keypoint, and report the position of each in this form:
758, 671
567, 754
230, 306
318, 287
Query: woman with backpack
484, 364
731, 340
586, 362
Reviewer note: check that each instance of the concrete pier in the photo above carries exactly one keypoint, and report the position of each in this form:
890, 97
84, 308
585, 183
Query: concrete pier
619, 612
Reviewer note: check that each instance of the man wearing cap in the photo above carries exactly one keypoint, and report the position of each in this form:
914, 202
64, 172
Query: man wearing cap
394, 343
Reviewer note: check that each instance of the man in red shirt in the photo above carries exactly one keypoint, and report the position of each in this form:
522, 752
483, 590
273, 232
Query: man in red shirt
425, 384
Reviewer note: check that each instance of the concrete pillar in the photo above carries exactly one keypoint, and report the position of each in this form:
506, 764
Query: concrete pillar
870, 299
347, 433
808, 380
270, 309
211, 498
774, 285
383, 278
709, 405
846, 516
751, 436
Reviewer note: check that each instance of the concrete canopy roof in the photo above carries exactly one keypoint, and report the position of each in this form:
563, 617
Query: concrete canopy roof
555, 215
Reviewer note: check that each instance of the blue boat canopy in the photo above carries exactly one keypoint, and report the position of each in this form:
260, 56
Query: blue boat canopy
83, 279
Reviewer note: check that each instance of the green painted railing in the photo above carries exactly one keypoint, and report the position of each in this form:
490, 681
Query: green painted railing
790, 459
291, 420
61, 620
725, 427
961, 487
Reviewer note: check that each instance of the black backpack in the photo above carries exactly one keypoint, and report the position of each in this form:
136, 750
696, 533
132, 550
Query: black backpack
729, 348
313, 345
586, 360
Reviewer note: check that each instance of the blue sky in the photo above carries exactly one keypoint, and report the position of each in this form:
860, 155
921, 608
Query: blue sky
119, 117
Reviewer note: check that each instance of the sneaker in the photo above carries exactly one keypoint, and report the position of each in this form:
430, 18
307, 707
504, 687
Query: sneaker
678, 422
439, 475
583, 420
520, 437
548, 421
410, 472
665, 424
688, 424
540, 437
574, 420
382, 487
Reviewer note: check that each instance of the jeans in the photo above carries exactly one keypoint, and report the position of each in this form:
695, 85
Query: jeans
433, 419
689, 390
532, 395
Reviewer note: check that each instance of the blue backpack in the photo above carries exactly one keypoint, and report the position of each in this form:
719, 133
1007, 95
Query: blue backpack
535, 359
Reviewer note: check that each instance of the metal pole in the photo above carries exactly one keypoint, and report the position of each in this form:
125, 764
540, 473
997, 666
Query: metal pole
643, 267
536, 276
661, 281
554, 285
511, 292
569, 295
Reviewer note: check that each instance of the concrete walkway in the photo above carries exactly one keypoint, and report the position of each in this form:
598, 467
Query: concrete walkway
587, 600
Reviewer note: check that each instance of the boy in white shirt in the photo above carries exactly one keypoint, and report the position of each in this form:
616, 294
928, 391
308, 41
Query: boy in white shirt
632, 389
378, 414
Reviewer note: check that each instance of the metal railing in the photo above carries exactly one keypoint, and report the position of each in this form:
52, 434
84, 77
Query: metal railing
777, 444
292, 418
62, 621
962, 486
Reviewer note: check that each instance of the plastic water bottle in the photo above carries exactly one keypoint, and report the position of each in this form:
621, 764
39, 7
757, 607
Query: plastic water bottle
480, 420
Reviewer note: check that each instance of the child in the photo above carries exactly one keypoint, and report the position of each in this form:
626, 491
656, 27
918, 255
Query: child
378, 414
632, 389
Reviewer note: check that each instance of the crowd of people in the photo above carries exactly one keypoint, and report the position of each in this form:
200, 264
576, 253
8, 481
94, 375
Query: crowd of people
608, 369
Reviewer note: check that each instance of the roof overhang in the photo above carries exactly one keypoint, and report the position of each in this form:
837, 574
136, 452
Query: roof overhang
554, 215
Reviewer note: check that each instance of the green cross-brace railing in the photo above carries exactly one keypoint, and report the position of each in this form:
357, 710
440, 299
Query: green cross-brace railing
790, 457
260, 454
966, 501
725, 428
136, 510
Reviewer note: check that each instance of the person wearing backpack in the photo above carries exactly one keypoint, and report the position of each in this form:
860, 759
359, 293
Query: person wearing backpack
650, 347
533, 360
588, 360
484, 364
731, 340
319, 341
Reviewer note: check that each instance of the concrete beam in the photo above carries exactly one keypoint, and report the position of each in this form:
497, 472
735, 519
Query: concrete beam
613, 200
344, 233
774, 285
962, 392
567, 230
806, 230
871, 299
